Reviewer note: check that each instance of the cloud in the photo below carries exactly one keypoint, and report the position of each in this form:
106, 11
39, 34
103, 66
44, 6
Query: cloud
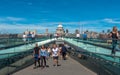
71, 23
20, 28
5, 19
109, 20
94, 25
15, 19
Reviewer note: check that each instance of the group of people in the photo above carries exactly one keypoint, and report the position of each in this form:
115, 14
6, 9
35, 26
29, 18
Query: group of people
28, 37
84, 36
41, 54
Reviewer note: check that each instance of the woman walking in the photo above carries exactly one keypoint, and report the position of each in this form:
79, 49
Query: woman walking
55, 54
114, 34
43, 54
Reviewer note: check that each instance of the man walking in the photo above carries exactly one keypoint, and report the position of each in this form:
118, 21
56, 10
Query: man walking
64, 52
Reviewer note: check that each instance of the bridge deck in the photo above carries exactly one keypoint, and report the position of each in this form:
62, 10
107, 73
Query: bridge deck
68, 67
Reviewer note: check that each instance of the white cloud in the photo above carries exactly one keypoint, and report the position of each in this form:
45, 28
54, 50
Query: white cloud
94, 25
109, 20
5, 19
20, 28
71, 23
15, 19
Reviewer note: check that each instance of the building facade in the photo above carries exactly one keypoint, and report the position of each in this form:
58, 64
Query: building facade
60, 30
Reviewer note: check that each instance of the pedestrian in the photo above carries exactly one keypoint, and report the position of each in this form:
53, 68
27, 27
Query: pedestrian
64, 52
84, 36
33, 36
114, 35
36, 56
43, 53
55, 54
24, 37
77, 37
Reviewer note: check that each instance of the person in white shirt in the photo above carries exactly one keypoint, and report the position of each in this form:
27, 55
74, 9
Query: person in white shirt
24, 37
33, 36
77, 36
55, 54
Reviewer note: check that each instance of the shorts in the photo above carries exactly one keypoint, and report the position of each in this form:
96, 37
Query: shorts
55, 57
36, 56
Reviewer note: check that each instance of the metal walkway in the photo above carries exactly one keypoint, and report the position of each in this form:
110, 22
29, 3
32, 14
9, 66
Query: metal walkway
68, 67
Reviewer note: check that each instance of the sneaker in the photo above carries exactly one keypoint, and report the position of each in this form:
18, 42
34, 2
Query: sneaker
47, 66
34, 67
58, 65
54, 65
42, 67
39, 66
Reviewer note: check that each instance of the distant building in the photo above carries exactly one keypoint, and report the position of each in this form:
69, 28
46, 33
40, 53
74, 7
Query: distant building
32, 31
92, 34
46, 31
60, 30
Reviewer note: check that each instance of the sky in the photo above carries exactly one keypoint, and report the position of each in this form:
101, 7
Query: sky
93, 15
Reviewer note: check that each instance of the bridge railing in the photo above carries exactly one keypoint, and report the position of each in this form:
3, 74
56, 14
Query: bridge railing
15, 41
18, 55
109, 62
11, 62
103, 42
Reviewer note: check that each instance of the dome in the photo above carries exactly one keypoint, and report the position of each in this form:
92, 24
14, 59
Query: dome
60, 25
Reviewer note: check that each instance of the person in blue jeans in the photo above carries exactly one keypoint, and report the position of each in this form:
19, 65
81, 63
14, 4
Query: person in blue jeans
36, 55
29, 37
64, 52
43, 56
114, 34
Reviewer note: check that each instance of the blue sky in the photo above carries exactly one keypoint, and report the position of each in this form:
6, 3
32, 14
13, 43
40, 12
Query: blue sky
94, 15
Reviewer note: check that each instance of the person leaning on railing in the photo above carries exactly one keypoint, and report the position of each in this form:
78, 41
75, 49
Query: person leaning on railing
114, 35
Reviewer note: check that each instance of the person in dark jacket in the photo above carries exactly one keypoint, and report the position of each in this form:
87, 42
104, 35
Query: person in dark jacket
63, 51
36, 55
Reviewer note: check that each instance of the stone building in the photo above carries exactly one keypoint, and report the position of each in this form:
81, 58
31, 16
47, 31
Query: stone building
60, 30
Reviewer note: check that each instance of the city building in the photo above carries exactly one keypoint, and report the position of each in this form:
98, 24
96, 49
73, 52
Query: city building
60, 30
31, 31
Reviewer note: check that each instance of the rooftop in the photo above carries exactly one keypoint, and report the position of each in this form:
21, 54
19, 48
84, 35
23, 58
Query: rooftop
60, 25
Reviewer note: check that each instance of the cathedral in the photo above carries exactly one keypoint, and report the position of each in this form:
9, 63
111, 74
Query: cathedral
60, 30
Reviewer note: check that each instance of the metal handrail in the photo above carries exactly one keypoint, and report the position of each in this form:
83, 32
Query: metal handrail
101, 53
